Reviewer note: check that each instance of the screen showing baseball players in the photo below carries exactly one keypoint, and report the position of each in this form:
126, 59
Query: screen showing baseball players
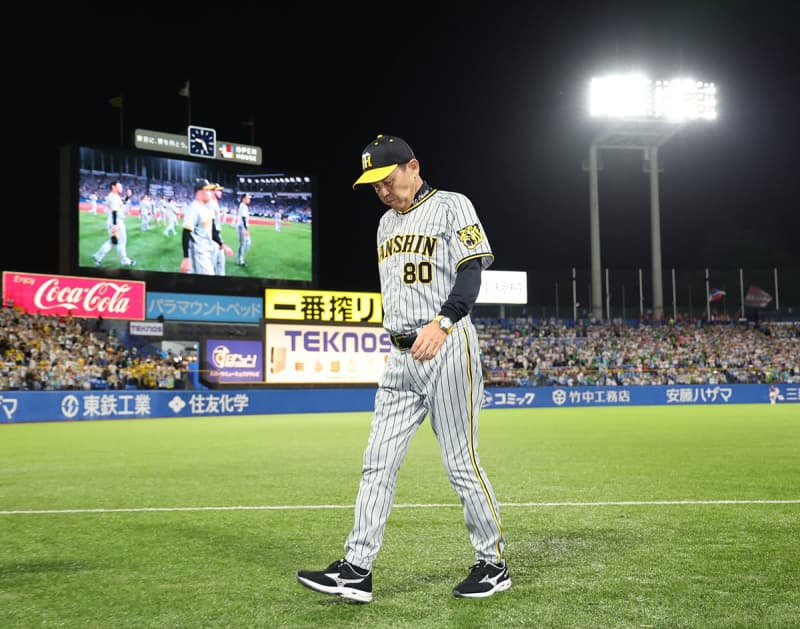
151, 213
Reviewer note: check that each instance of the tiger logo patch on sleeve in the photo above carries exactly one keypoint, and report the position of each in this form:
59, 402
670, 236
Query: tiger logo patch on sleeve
471, 236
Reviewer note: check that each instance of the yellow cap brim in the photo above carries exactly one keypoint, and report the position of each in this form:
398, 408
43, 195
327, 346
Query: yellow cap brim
375, 175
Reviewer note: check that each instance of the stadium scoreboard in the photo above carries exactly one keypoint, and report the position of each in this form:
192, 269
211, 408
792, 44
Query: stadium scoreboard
189, 145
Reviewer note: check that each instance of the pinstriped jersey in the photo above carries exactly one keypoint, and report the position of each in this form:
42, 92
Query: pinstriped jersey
199, 218
419, 253
216, 212
115, 204
243, 213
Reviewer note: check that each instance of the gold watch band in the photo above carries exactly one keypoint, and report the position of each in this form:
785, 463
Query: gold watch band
438, 318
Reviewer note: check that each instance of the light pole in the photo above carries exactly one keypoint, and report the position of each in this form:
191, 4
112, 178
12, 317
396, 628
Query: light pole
640, 114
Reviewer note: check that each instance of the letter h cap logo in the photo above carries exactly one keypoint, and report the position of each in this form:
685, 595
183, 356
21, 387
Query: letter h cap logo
366, 161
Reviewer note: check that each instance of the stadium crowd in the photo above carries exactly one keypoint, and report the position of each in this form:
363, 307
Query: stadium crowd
266, 205
43, 352
551, 353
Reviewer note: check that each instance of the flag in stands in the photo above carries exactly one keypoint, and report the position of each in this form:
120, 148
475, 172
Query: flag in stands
716, 295
756, 297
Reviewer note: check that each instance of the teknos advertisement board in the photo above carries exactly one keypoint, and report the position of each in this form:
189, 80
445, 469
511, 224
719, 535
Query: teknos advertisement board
324, 354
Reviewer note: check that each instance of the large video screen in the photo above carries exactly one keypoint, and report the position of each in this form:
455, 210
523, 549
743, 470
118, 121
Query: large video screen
153, 195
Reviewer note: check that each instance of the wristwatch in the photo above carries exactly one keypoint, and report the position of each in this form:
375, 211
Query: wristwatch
444, 322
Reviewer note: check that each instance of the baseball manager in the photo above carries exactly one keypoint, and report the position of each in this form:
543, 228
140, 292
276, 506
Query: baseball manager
431, 250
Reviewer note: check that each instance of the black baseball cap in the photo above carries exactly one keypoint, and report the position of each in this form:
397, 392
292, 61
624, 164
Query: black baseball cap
381, 156
203, 184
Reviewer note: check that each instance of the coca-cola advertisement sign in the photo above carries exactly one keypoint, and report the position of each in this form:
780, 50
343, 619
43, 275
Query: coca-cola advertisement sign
76, 296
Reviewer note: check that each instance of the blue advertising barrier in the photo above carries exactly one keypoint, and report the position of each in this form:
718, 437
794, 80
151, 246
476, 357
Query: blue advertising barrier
38, 406
645, 395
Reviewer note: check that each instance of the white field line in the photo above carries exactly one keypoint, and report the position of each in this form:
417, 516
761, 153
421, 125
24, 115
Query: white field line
622, 503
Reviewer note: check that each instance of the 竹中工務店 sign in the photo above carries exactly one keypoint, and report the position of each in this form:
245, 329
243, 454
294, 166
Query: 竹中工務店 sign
180, 144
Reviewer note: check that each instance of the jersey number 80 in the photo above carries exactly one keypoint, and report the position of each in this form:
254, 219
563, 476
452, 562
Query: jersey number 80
421, 272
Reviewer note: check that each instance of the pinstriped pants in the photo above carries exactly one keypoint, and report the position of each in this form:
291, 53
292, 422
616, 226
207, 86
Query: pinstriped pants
450, 388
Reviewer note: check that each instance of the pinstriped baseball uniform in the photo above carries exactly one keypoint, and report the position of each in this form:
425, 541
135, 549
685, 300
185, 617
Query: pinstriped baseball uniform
202, 249
119, 208
419, 253
219, 254
242, 218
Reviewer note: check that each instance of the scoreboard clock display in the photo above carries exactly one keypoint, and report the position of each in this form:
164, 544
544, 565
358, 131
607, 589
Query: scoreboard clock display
202, 141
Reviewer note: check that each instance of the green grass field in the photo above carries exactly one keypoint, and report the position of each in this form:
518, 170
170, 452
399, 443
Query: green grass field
279, 255
616, 517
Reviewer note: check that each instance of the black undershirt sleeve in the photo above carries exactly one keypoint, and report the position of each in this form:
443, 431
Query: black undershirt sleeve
465, 291
215, 235
187, 237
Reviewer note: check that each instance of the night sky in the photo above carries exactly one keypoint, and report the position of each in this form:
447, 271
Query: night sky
492, 99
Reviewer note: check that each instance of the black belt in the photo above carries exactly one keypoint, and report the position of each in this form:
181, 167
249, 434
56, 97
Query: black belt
403, 341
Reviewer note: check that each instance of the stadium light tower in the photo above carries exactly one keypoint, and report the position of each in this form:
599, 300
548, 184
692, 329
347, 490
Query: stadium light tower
640, 114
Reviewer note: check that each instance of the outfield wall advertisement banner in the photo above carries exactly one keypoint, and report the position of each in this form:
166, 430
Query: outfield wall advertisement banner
503, 287
231, 361
322, 306
76, 296
325, 354
41, 406
38, 406
206, 308
146, 328
550, 397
